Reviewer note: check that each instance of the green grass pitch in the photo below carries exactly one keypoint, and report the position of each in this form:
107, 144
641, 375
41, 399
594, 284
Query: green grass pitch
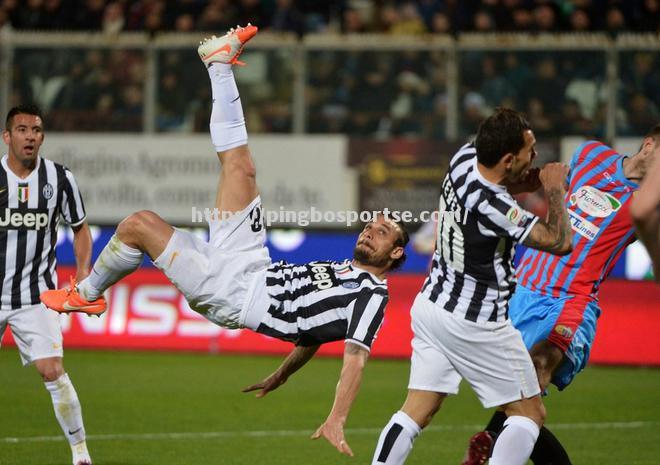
183, 409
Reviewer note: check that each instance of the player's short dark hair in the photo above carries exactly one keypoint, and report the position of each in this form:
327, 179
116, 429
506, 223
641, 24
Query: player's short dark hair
654, 132
28, 109
499, 134
401, 241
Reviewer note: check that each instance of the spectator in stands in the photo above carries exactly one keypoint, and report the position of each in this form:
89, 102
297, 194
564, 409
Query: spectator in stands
5, 23
579, 21
217, 16
184, 23
642, 114
113, 18
353, 22
287, 18
522, 19
646, 18
615, 21
545, 18
441, 24
410, 22
483, 21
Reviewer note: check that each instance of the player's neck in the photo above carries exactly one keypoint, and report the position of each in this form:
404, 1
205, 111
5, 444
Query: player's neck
633, 168
377, 271
491, 174
22, 169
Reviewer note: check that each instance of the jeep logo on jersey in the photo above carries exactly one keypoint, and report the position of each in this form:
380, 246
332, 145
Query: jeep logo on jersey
323, 276
23, 220
594, 202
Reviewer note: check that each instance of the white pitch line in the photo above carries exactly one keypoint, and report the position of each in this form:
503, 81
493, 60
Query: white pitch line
279, 433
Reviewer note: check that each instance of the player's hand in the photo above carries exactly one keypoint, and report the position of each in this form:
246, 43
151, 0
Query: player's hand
269, 384
333, 431
554, 175
530, 183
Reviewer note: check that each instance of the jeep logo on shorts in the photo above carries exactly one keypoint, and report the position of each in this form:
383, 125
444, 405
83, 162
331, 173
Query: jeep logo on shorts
323, 276
29, 219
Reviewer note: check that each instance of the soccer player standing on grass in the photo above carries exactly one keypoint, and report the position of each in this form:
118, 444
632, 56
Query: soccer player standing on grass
231, 281
34, 192
555, 305
460, 317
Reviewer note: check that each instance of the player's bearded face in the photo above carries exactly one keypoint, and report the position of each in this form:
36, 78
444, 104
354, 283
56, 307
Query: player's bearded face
366, 256
522, 161
375, 243
24, 138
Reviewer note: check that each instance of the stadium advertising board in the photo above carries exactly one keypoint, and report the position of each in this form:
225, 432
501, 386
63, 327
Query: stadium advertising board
170, 174
401, 174
146, 312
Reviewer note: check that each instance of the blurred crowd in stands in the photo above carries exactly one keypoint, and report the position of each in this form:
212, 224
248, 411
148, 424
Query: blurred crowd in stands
381, 93
376, 93
304, 16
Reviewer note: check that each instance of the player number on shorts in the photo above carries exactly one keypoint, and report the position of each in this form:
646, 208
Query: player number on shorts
255, 217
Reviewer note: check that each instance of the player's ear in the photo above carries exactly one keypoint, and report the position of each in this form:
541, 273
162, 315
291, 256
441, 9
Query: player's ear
6, 136
507, 161
396, 253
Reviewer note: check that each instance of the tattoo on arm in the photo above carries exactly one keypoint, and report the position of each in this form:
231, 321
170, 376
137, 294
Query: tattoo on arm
552, 234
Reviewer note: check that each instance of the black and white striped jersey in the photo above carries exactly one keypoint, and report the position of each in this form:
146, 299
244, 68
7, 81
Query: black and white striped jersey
472, 273
322, 302
30, 212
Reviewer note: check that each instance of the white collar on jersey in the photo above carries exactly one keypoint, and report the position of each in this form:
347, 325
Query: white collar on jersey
480, 177
378, 280
5, 165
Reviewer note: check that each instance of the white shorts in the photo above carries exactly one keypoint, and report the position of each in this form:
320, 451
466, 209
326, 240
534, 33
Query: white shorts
36, 331
215, 276
491, 357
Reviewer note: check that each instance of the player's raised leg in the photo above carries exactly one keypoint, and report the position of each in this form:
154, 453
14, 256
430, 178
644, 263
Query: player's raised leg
237, 185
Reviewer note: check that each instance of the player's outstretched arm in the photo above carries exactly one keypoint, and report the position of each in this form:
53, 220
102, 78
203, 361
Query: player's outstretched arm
553, 235
298, 357
350, 379
645, 210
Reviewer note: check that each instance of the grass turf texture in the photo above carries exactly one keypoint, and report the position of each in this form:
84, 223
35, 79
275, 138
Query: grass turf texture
133, 401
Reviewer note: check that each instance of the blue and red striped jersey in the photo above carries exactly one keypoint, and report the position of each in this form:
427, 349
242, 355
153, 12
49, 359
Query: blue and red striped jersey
598, 201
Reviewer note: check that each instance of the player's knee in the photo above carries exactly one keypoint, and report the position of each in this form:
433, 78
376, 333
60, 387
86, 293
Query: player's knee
532, 408
136, 225
51, 372
536, 410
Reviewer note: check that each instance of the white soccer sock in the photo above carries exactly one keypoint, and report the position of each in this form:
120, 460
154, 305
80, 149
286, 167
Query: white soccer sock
227, 121
396, 440
515, 442
67, 408
116, 261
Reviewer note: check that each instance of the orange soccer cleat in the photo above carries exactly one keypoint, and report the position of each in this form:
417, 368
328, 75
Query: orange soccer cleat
69, 301
228, 48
